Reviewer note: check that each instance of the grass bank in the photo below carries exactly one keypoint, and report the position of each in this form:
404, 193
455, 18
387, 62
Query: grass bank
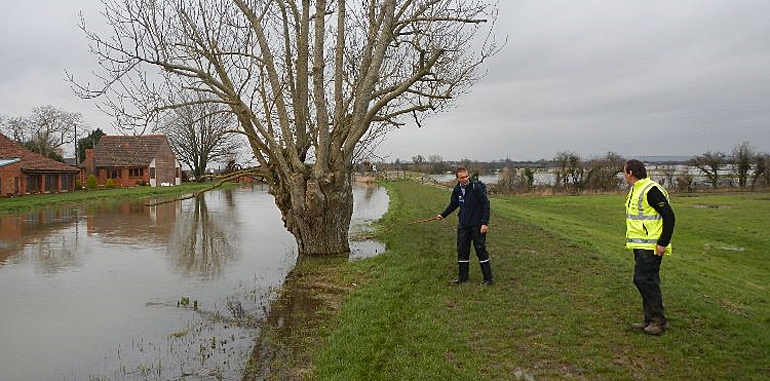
31, 202
560, 308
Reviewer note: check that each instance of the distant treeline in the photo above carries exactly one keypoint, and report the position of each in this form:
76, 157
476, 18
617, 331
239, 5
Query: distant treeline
567, 172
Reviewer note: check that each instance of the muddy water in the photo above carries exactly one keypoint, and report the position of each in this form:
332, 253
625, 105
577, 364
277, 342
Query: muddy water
129, 292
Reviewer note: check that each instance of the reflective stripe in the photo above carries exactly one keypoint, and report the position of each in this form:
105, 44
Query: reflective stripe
642, 217
641, 199
640, 240
463, 261
643, 225
486, 260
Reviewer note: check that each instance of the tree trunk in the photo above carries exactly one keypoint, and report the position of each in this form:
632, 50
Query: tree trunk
317, 212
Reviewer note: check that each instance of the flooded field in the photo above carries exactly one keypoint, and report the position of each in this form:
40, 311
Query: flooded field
123, 291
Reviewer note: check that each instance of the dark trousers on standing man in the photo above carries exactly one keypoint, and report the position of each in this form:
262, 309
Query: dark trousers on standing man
647, 281
465, 236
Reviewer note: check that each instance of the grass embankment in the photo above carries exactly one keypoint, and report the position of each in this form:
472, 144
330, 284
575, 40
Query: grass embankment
36, 201
561, 305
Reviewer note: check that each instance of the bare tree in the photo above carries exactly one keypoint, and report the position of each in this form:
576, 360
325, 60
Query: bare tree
511, 180
761, 174
15, 127
685, 182
308, 82
603, 172
506, 181
710, 163
569, 171
45, 130
200, 134
419, 164
437, 164
742, 158
669, 172
560, 161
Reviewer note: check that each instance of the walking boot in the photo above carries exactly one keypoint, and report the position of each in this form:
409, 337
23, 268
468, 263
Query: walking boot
462, 273
486, 269
655, 329
640, 325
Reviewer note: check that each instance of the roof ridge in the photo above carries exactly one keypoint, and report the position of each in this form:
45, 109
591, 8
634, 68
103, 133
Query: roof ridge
31, 160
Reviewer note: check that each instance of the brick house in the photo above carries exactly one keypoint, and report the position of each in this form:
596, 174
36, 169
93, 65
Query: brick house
25, 172
132, 160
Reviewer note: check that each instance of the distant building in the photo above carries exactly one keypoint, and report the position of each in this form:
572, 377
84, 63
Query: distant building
132, 160
25, 172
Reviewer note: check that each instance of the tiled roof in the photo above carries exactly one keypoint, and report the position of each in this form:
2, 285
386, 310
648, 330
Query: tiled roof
123, 151
30, 161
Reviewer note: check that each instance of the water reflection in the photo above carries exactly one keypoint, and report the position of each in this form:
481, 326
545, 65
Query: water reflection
200, 244
41, 239
92, 292
370, 202
132, 223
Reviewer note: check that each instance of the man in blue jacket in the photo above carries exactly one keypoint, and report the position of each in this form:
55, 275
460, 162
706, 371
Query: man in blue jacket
471, 198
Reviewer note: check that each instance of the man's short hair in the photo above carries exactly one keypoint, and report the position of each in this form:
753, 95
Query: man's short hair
460, 169
636, 168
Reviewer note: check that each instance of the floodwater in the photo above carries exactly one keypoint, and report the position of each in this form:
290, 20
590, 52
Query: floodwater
122, 291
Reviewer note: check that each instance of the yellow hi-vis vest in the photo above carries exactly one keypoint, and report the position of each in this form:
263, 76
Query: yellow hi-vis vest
643, 223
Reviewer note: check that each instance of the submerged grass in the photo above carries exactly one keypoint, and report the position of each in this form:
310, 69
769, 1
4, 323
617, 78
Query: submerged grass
560, 307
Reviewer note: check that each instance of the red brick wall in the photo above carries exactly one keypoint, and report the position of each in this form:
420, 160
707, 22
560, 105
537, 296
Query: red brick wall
125, 179
8, 173
165, 165
165, 170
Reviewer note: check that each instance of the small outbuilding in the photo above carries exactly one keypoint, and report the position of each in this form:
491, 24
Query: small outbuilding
132, 160
25, 172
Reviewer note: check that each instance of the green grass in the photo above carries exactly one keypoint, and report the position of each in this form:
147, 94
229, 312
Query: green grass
562, 302
31, 202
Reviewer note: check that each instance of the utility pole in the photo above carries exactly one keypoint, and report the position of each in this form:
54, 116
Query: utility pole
77, 156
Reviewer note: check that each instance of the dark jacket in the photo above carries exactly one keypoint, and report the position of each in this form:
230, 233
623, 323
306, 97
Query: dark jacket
474, 205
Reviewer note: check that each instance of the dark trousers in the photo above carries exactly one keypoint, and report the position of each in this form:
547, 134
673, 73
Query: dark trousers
466, 235
647, 281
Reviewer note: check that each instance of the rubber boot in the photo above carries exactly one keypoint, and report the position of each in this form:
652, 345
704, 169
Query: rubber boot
462, 273
486, 269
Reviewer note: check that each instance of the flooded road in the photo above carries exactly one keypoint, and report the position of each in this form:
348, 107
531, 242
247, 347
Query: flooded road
122, 291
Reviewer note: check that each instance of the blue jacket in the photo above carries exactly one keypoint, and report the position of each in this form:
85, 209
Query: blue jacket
474, 205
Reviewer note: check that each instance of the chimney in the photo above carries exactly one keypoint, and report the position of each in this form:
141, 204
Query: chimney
89, 162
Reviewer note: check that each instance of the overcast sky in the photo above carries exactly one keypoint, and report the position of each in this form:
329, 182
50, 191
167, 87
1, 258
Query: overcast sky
655, 77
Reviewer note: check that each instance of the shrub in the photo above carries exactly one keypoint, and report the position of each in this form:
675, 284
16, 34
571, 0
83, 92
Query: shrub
91, 182
109, 184
685, 182
78, 185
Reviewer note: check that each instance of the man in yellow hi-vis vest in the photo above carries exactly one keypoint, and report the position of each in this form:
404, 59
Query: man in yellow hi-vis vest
649, 226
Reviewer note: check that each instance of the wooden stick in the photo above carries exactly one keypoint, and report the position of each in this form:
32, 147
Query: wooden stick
425, 220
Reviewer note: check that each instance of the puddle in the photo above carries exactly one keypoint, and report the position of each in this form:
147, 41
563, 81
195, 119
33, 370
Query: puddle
709, 245
370, 202
365, 249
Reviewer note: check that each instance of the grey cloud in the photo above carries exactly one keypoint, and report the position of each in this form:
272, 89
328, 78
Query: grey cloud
634, 77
